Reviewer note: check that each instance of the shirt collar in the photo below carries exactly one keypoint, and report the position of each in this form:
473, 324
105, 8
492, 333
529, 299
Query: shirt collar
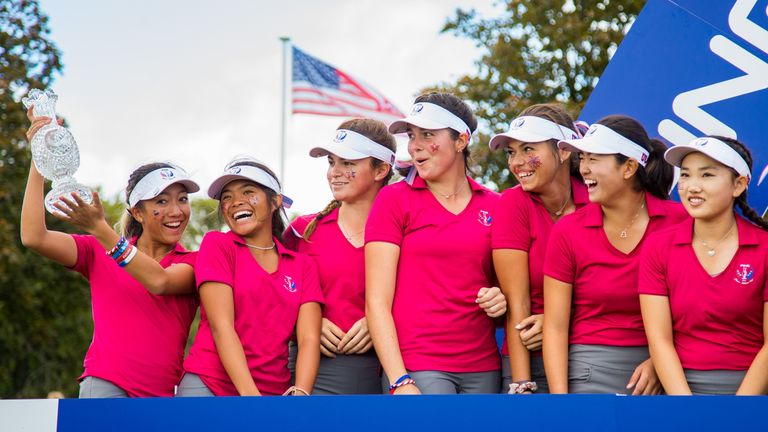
578, 191
333, 216
594, 213
419, 183
747, 236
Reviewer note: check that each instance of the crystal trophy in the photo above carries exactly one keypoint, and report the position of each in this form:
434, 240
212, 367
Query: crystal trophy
54, 151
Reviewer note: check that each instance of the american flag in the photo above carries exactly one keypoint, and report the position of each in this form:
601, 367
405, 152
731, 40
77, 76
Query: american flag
319, 88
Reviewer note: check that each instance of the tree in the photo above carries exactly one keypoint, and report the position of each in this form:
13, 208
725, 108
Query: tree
537, 51
45, 319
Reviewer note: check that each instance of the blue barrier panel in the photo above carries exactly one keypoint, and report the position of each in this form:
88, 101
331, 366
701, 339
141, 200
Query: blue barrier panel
444, 413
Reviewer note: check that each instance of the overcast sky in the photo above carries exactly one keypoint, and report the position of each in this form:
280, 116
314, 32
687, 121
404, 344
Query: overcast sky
197, 82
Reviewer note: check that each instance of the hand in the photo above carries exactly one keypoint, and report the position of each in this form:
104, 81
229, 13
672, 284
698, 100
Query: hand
492, 301
531, 333
357, 340
409, 389
77, 212
37, 123
330, 338
644, 380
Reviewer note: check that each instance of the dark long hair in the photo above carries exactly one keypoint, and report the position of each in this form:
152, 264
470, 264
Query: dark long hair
278, 223
129, 226
657, 175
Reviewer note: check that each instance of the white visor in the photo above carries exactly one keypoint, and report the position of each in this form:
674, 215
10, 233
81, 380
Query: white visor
601, 139
430, 116
235, 171
351, 145
154, 183
713, 148
532, 129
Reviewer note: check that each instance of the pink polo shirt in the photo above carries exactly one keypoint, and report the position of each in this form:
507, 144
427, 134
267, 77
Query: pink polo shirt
138, 337
266, 309
522, 222
341, 267
444, 260
605, 304
717, 321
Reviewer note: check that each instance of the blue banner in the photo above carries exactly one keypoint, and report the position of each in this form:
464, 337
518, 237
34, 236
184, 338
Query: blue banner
689, 68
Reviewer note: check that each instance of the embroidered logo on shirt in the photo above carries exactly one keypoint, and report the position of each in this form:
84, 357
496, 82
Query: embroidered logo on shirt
289, 284
484, 218
745, 275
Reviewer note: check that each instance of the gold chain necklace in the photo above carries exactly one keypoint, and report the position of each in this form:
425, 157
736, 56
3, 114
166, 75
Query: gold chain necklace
625, 232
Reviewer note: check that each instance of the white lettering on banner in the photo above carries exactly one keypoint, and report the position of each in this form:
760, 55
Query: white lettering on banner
688, 105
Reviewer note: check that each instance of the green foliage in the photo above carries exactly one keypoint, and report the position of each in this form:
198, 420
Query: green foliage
536, 51
45, 319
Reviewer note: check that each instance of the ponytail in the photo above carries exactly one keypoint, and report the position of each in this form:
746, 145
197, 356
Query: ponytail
333, 205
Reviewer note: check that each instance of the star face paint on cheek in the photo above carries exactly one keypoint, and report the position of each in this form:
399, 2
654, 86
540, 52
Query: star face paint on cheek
434, 147
253, 200
534, 162
350, 174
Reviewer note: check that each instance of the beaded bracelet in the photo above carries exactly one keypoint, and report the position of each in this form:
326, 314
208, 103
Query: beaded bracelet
521, 387
127, 259
407, 381
119, 248
293, 389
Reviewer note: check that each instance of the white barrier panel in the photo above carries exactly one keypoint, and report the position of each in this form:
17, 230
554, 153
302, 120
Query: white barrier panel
30, 415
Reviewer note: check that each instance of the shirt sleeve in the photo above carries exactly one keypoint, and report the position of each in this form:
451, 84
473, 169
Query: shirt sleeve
293, 235
216, 260
652, 278
386, 221
85, 254
512, 227
188, 258
312, 291
560, 260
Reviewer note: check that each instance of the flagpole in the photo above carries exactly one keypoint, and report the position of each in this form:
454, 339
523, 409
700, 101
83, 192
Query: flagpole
286, 103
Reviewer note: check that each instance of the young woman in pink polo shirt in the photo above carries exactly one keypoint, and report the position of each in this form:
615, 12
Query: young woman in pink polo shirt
550, 187
703, 286
360, 159
430, 295
594, 340
143, 278
254, 293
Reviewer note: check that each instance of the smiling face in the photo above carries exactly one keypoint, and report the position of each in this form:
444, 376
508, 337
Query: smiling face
708, 188
164, 217
534, 165
605, 177
247, 209
434, 152
351, 180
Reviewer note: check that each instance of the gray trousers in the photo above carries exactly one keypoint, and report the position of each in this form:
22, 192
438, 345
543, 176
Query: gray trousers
93, 388
537, 374
714, 382
342, 375
437, 382
192, 386
603, 369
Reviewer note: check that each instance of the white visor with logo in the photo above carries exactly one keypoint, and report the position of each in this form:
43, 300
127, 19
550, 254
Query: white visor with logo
154, 183
713, 148
351, 145
238, 171
601, 139
430, 116
532, 129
